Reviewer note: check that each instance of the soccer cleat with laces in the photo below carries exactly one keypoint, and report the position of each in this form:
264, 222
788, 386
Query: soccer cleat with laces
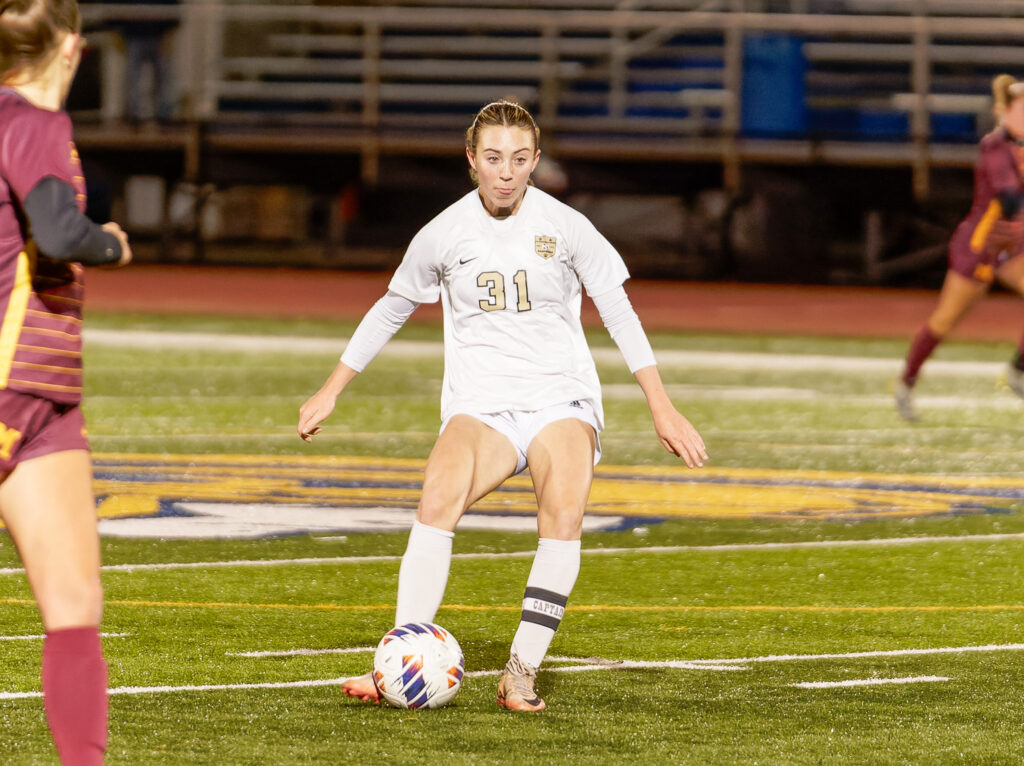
515, 689
905, 402
1015, 380
362, 687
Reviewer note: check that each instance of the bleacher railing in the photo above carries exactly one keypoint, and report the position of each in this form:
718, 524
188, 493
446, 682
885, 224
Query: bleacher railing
885, 82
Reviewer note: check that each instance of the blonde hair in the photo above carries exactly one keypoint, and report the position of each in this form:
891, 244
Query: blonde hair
505, 113
1005, 88
30, 30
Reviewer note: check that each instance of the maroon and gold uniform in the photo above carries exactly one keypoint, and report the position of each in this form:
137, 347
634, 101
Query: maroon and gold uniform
41, 295
993, 231
40, 298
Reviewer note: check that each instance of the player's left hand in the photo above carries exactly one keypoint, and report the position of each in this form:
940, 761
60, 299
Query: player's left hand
122, 237
679, 437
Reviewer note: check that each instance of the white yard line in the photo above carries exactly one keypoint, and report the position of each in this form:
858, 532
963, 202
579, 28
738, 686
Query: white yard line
675, 358
198, 688
629, 392
320, 561
867, 682
41, 636
303, 652
591, 664
863, 655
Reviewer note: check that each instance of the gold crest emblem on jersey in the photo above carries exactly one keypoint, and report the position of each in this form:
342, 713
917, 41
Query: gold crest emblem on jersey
544, 246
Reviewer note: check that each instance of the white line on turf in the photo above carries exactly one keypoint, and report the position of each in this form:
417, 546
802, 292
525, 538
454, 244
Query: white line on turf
862, 655
197, 688
303, 652
322, 561
624, 391
730, 664
867, 682
680, 358
40, 636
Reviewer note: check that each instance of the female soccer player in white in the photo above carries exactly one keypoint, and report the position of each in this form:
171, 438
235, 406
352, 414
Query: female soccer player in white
520, 387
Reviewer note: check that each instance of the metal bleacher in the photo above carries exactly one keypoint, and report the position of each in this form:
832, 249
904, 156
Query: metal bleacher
875, 82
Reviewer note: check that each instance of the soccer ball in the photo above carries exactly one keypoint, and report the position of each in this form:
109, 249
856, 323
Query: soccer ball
418, 665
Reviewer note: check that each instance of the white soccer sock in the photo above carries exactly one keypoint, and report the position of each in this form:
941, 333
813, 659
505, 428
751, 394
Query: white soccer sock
423, 575
552, 577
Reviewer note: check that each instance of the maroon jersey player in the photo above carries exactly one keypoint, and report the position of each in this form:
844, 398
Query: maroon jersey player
46, 499
987, 245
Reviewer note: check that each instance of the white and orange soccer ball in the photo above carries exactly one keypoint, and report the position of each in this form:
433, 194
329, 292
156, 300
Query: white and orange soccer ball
418, 665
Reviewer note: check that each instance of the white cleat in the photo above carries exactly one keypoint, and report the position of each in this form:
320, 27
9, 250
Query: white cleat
1015, 380
905, 402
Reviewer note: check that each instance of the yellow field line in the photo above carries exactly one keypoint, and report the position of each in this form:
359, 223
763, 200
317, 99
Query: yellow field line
577, 608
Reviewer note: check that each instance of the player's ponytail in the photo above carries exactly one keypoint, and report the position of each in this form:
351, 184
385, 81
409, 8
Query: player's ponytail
29, 31
1005, 88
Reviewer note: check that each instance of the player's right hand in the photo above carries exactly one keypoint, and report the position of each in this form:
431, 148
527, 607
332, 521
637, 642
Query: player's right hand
314, 412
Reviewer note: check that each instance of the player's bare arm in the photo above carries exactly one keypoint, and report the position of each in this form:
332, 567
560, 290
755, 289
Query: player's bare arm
675, 432
321, 404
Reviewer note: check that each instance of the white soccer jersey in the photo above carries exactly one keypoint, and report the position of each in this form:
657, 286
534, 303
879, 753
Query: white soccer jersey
510, 291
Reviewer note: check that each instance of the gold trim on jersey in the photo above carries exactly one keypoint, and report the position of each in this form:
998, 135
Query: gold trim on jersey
17, 305
54, 298
51, 351
75, 370
46, 386
545, 247
50, 333
59, 317
981, 231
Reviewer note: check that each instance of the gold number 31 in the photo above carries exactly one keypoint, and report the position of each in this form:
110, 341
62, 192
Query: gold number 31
494, 281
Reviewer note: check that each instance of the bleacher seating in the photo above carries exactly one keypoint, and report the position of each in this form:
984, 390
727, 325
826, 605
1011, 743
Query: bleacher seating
689, 77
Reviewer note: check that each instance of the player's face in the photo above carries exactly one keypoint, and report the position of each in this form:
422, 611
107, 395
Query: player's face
503, 161
1014, 117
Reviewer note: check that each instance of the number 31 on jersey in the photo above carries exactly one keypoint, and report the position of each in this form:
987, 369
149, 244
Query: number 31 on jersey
494, 283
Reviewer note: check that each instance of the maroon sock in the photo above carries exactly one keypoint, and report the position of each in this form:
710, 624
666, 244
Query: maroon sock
921, 348
1018, 358
75, 695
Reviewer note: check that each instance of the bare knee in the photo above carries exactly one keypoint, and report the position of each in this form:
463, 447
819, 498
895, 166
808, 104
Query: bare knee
566, 524
72, 603
437, 517
941, 323
438, 511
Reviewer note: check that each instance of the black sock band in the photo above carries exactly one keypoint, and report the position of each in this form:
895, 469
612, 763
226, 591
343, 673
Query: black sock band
543, 607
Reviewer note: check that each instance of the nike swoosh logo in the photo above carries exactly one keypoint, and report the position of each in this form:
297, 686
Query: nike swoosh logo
464, 261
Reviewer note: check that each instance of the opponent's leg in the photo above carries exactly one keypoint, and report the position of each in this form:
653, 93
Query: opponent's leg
958, 295
48, 507
1011, 274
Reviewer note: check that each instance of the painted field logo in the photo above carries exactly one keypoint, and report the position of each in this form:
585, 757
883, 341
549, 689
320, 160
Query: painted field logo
253, 496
